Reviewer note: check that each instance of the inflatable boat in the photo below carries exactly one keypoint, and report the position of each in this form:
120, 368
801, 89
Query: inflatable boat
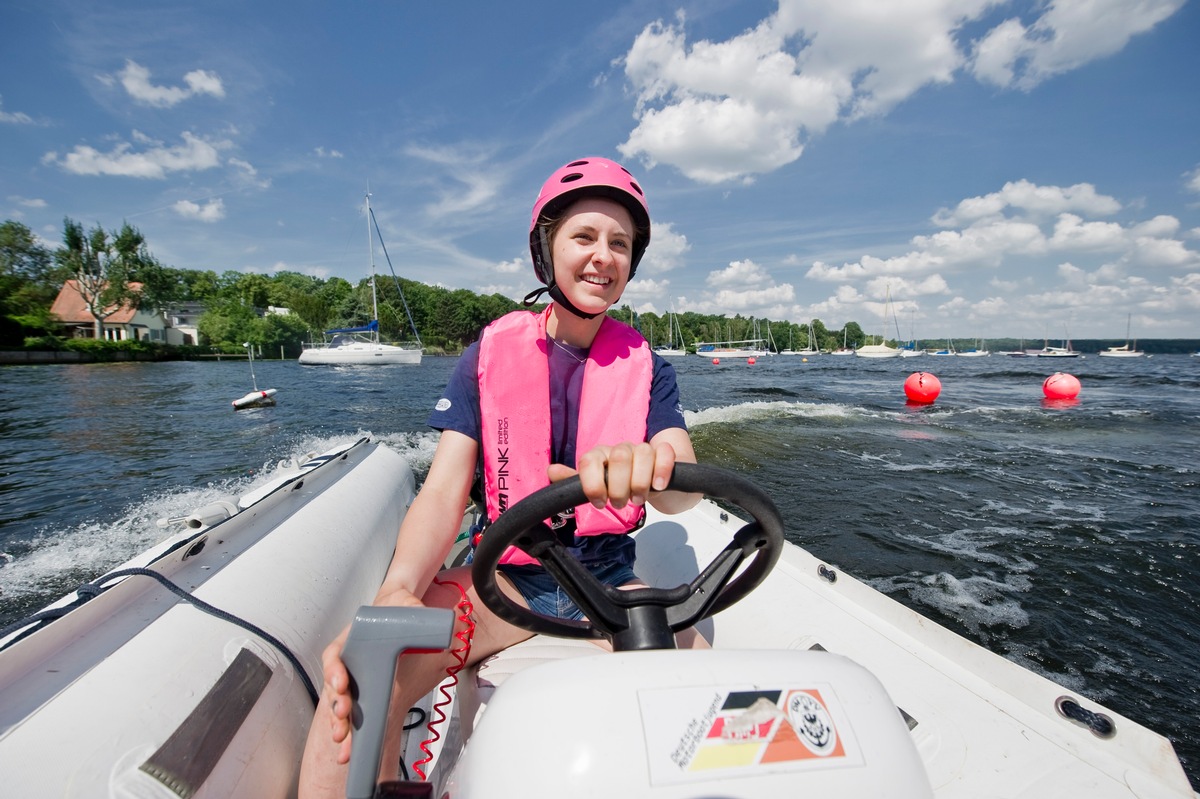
191, 670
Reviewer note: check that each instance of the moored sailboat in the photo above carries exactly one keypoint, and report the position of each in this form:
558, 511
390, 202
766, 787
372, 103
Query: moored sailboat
362, 345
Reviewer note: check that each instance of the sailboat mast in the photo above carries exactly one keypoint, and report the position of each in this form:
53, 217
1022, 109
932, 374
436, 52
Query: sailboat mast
371, 250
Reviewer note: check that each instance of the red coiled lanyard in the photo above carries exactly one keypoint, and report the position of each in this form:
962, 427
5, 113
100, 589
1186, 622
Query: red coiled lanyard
461, 653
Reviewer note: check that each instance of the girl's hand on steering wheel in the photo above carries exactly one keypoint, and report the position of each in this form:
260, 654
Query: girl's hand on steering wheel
621, 474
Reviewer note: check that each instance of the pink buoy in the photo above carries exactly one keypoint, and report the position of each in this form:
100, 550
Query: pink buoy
750, 361
922, 387
1061, 385
716, 361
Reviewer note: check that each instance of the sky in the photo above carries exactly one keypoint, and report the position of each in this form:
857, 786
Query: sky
989, 168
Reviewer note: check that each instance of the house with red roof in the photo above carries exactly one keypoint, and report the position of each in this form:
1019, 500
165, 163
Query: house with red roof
126, 323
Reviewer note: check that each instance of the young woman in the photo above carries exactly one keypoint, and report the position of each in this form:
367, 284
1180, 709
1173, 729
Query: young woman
541, 397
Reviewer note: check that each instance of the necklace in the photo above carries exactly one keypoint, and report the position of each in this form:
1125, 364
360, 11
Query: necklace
564, 348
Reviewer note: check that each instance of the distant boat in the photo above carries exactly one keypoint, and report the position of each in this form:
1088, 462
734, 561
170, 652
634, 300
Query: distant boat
1064, 351
255, 398
809, 349
744, 348
674, 345
352, 346
1125, 351
842, 350
880, 350
1056, 352
978, 352
949, 349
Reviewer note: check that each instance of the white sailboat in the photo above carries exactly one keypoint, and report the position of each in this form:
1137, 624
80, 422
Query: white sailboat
1125, 351
361, 345
674, 345
978, 352
742, 348
809, 349
880, 350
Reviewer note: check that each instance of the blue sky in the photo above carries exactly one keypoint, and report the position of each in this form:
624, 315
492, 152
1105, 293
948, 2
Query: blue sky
999, 168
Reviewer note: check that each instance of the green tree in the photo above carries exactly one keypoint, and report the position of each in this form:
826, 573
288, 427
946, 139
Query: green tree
28, 283
103, 266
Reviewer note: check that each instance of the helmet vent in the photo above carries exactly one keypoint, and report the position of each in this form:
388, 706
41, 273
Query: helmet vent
571, 178
637, 188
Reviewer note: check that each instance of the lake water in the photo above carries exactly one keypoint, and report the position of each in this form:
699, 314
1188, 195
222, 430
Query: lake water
1065, 536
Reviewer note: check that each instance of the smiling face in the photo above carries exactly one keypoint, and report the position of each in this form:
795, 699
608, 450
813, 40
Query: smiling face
591, 249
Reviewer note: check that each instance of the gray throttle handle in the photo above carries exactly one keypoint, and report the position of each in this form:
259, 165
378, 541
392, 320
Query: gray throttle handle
377, 637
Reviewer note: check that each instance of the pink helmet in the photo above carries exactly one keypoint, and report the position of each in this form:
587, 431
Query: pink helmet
587, 177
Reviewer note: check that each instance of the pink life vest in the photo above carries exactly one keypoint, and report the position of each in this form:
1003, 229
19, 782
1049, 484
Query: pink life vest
514, 403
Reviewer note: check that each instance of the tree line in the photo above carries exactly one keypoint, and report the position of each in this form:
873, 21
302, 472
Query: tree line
115, 268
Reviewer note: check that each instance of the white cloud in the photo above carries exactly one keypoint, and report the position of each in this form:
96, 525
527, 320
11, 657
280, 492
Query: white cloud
739, 273
1069, 34
1193, 181
730, 110
212, 211
1098, 263
515, 266
135, 78
156, 161
331, 153
1039, 202
14, 117
666, 251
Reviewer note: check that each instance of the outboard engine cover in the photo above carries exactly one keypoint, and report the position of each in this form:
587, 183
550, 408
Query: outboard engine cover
694, 723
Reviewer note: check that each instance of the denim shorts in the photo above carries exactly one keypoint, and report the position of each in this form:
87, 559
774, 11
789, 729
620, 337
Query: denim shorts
544, 595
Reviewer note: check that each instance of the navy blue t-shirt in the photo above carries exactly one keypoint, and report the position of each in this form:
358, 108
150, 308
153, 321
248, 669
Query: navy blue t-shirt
458, 410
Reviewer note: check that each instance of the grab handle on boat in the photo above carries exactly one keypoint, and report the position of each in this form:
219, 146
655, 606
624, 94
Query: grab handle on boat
377, 637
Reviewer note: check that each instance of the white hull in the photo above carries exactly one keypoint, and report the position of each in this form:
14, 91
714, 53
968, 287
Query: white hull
877, 351
87, 701
358, 354
734, 353
1120, 352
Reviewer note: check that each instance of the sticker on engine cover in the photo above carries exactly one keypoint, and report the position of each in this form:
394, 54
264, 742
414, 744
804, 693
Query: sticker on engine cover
701, 733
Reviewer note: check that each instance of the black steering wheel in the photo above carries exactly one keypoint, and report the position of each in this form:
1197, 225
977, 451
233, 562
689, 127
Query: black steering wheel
636, 618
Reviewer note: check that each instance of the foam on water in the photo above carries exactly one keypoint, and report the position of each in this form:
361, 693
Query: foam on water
978, 602
57, 560
746, 411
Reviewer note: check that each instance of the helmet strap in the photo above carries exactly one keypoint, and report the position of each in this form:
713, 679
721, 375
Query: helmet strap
557, 295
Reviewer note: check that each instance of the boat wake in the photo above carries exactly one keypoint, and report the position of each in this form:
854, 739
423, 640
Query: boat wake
54, 560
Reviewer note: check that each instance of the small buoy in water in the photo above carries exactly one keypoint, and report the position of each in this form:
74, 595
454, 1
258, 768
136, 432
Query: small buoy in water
922, 387
1061, 385
804, 360
750, 361
716, 361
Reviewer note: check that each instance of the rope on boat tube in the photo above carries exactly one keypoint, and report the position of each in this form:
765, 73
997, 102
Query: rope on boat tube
91, 590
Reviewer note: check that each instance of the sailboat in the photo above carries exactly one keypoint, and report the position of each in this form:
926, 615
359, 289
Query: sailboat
1122, 352
880, 350
361, 345
255, 398
977, 352
674, 345
843, 350
809, 349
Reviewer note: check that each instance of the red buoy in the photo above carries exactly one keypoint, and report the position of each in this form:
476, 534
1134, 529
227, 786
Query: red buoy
1061, 385
922, 387
716, 360
750, 361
